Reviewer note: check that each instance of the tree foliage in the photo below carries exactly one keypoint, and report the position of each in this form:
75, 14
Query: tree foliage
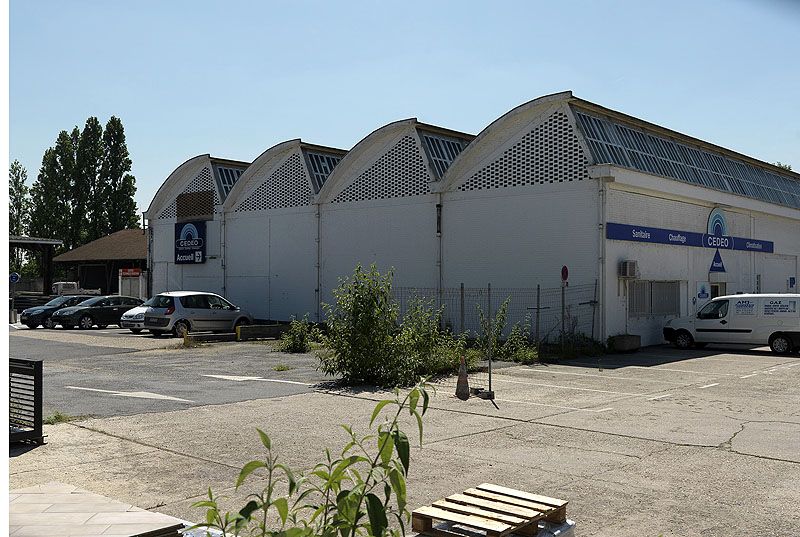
18, 208
84, 189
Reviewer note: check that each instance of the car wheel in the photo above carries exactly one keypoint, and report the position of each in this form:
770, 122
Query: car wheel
32, 326
48, 323
700, 345
181, 328
780, 344
85, 322
684, 340
136, 330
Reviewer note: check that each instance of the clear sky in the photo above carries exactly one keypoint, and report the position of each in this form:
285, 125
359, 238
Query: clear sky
233, 78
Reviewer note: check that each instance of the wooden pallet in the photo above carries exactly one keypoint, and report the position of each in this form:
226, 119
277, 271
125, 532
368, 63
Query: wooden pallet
493, 510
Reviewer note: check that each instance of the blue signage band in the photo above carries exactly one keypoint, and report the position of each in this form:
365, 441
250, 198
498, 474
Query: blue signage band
625, 232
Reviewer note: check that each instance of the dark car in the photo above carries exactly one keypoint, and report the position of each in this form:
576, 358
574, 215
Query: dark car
40, 315
101, 311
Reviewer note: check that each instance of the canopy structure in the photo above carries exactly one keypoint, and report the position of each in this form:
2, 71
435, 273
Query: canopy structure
42, 245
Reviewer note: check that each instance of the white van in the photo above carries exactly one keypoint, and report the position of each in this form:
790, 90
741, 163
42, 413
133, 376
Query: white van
772, 320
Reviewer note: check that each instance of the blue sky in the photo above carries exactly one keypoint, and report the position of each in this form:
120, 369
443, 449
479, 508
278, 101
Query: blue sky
233, 78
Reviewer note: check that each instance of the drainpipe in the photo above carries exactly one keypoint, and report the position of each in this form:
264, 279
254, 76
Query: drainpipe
222, 233
318, 266
439, 261
602, 193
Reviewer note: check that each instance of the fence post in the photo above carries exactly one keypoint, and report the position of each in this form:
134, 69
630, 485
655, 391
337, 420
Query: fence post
462, 307
538, 314
491, 337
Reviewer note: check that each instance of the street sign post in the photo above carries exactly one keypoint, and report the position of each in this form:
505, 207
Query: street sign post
13, 279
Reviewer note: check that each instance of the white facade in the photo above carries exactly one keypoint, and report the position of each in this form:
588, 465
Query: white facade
541, 187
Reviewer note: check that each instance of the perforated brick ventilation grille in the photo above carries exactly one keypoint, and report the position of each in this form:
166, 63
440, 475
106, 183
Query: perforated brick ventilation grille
285, 187
548, 154
201, 182
399, 173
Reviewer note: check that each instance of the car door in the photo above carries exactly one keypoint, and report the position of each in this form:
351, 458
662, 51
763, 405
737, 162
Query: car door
198, 312
222, 312
113, 311
711, 325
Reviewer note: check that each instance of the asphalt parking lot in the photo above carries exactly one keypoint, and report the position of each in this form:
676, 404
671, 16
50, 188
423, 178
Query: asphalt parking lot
658, 442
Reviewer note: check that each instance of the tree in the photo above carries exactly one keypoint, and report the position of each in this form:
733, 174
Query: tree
780, 164
89, 217
121, 185
18, 208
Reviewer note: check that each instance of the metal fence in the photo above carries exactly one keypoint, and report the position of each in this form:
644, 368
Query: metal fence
25, 400
548, 311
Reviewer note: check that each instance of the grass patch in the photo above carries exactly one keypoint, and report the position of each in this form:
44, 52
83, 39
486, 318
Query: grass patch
282, 367
59, 417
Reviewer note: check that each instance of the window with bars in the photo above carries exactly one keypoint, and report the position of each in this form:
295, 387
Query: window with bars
614, 143
321, 166
648, 298
442, 152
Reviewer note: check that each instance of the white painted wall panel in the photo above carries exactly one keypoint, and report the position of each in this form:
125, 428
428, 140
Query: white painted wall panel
293, 272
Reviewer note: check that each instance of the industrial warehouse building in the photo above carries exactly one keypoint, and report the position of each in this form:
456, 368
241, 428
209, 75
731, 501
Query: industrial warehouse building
655, 221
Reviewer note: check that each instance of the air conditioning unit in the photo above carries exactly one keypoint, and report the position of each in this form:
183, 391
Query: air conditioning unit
628, 269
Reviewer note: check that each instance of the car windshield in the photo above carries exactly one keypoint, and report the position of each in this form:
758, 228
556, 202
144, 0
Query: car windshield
161, 301
58, 301
92, 301
150, 301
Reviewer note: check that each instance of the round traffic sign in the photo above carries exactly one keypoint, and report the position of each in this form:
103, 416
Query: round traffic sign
564, 273
14, 277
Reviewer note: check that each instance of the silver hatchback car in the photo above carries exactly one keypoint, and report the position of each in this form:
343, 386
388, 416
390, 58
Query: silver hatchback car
182, 311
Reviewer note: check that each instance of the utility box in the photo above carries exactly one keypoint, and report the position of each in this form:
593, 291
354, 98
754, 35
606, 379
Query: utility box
133, 282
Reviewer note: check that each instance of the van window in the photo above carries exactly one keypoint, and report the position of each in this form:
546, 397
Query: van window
714, 310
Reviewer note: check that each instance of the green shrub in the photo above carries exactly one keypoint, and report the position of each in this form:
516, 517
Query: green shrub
361, 329
355, 493
492, 329
297, 337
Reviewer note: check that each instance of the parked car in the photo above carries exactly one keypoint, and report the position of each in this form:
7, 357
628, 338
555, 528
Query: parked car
764, 319
182, 311
41, 315
101, 311
133, 319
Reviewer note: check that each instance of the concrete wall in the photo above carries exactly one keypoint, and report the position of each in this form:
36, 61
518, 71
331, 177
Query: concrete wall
690, 265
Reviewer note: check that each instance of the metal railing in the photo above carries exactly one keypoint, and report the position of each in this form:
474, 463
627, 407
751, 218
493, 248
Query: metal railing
25, 400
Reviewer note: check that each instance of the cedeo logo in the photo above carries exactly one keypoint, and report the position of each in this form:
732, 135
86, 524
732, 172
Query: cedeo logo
189, 239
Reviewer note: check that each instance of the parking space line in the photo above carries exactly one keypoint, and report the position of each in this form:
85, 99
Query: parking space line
610, 377
566, 387
656, 398
139, 395
236, 378
709, 385
553, 406
655, 368
748, 376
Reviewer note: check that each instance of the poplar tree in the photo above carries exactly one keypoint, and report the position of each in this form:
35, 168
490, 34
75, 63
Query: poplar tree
121, 184
18, 208
89, 216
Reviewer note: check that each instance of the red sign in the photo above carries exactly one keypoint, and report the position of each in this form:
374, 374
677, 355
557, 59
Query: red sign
130, 272
564, 273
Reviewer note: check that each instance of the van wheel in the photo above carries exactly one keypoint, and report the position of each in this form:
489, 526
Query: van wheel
780, 344
684, 340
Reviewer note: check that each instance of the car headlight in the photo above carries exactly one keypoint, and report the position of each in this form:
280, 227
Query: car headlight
139, 317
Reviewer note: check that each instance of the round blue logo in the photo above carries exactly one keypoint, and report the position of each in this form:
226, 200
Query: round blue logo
716, 223
14, 278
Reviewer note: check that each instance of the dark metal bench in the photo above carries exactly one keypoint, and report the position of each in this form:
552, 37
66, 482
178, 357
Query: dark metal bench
25, 401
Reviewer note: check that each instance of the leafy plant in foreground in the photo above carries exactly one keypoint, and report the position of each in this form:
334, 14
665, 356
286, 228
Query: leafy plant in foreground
356, 493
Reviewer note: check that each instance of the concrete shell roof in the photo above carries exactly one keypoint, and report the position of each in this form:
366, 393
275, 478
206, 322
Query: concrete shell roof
171, 183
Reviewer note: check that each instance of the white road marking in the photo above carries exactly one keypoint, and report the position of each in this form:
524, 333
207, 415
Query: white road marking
610, 376
654, 368
709, 385
748, 376
565, 387
14, 326
140, 395
656, 398
236, 378
552, 406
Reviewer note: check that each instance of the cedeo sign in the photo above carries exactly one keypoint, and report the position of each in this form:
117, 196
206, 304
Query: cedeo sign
190, 243
716, 236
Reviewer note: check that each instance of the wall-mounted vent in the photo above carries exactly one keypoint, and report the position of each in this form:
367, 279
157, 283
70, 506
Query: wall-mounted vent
628, 269
399, 173
285, 187
548, 154
201, 182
